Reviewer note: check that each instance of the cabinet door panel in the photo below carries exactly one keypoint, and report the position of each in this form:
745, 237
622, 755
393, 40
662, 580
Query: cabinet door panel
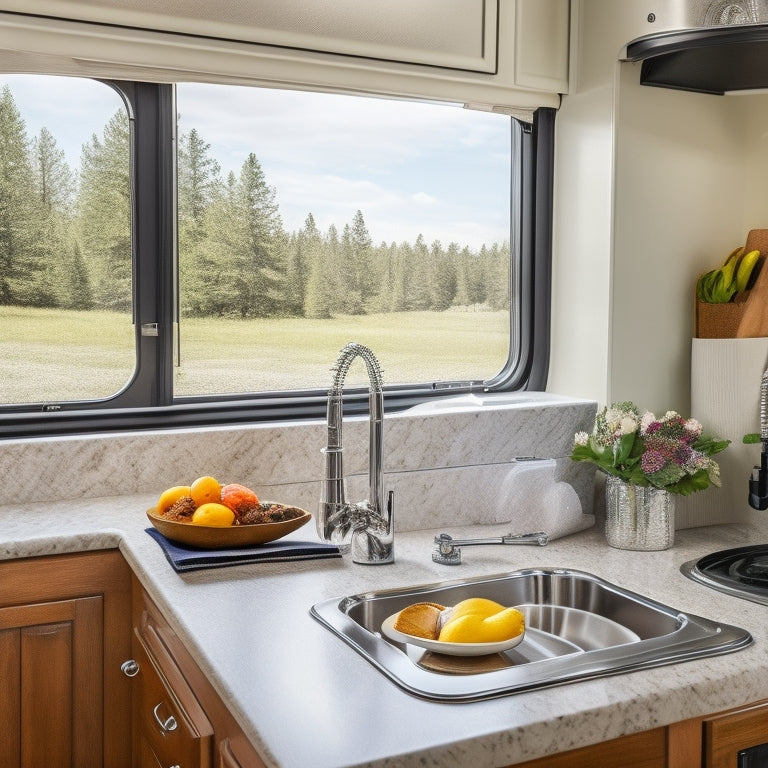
10, 701
46, 701
53, 668
726, 734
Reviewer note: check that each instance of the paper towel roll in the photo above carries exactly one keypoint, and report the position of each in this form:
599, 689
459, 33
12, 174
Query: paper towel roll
725, 398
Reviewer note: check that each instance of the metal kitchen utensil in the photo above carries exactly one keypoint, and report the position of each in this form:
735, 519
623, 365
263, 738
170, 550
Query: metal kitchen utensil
447, 549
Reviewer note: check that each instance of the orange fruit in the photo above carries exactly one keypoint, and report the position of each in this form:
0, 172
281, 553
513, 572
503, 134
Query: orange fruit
234, 495
205, 489
213, 514
170, 496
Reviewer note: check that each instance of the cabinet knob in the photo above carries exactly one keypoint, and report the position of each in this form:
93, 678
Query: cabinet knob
130, 668
169, 724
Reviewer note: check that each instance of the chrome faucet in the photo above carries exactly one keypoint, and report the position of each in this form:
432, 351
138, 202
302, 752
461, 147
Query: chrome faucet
367, 527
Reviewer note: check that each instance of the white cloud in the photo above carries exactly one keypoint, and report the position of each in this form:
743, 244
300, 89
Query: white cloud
411, 168
422, 199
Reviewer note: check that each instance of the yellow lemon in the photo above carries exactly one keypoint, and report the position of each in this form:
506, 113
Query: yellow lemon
205, 489
479, 606
170, 496
474, 628
213, 514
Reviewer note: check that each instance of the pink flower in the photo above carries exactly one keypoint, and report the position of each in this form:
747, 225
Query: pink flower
652, 461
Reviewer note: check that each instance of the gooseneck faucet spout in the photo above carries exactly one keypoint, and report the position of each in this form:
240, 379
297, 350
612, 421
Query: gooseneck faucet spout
368, 526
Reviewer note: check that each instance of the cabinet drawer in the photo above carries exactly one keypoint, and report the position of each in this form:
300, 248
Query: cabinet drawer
168, 716
728, 733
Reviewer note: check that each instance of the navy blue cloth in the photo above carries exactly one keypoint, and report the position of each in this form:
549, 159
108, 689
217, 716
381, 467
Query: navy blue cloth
185, 558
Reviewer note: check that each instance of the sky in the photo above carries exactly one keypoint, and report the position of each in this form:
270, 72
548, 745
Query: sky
411, 168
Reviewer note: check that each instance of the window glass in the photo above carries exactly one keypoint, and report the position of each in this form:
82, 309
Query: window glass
308, 220
66, 329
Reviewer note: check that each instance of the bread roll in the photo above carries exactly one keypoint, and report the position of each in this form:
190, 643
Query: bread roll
420, 620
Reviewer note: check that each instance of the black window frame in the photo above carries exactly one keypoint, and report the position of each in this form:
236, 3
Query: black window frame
147, 401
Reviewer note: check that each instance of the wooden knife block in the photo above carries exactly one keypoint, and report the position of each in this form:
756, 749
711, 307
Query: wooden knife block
754, 322
747, 315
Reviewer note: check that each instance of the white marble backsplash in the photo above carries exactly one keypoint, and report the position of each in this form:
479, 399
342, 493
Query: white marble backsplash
447, 467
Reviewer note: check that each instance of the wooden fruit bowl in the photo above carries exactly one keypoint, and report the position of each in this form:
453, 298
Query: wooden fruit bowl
225, 537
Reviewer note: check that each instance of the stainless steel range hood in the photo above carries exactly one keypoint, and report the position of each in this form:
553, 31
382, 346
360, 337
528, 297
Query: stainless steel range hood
711, 60
708, 46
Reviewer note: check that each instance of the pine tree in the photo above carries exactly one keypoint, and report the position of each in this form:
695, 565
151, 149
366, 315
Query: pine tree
418, 293
443, 281
399, 286
54, 187
360, 264
105, 214
199, 183
76, 289
53, 177
21, 263
497, 277
386, 258
465, 291
199, 188
317, 296
247, 277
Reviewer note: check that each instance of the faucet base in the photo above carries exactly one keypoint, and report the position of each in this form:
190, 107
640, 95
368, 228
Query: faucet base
369, 549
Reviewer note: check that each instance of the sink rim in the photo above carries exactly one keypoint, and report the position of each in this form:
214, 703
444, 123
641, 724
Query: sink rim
694, 637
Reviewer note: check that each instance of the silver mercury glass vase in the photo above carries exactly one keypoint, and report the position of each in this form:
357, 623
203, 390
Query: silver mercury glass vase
638, 517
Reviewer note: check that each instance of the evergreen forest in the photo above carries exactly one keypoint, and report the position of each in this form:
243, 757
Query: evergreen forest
65, 240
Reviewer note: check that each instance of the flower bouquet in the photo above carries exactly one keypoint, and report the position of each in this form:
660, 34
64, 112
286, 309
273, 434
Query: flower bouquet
647, 461
670, 453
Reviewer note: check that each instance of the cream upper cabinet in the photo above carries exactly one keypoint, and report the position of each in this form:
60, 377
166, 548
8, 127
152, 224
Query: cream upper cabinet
458, 34
508, 54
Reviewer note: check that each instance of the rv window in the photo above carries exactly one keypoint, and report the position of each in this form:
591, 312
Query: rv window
200, 253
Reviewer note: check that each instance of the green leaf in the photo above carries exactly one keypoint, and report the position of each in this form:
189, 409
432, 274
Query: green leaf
752, 437
698, 481
709, 446
623, 449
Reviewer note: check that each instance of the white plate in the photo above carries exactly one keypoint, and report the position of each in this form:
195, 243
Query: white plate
449, 649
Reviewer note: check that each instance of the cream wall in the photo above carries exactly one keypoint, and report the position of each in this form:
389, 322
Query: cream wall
653, 186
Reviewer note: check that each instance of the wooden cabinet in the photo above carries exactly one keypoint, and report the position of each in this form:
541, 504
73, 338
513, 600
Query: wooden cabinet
640, 750
178, 718
169, 727
728, 733
64, 626
714, 741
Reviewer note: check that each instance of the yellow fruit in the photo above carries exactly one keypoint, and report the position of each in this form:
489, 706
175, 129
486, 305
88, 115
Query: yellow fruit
213, 514
205, 489
477, 605
487, 624
170, 496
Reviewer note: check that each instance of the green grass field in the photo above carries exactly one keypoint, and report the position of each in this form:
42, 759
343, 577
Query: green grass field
54, 355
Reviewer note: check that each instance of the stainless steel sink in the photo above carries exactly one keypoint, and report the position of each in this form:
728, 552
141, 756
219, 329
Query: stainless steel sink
577, 627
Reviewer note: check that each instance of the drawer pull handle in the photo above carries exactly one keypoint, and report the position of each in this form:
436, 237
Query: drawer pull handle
165, 725
130, 668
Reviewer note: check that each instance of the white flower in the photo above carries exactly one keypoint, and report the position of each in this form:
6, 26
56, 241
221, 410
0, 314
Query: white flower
581, 438
647, 419
612, 419
627, 425
669, 415
694, 427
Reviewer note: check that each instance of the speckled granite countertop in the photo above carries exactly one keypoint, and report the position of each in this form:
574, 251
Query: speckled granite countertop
306, 699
